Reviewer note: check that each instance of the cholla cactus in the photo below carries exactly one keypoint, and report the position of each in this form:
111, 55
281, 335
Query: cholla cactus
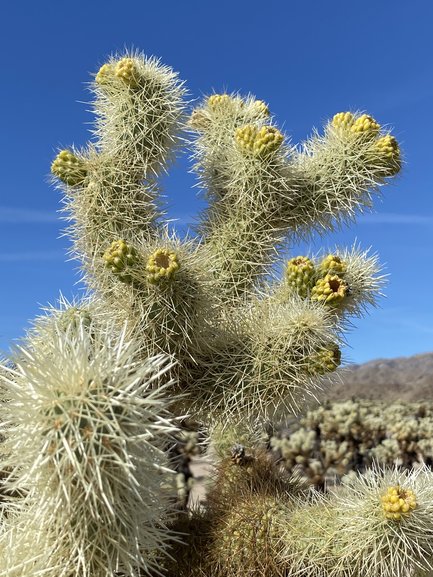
330, 442
86, 411
86, 447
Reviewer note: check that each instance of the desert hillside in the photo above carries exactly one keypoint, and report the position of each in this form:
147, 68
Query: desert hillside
404, 378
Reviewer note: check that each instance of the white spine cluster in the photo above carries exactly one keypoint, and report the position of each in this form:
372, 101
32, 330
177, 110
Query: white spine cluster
85, 426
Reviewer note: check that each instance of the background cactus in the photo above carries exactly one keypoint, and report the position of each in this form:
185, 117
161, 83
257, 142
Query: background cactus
343, 438
198, 326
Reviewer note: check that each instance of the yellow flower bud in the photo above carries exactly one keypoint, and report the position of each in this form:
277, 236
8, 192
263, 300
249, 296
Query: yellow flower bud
120, 257
331, 290
218, 101
126, 70
258, 142
300, 274
104, 74
343, 120
388, 154
260, 108
69, 168
365, 124
325, 361
332, 264
398, 502
162, 264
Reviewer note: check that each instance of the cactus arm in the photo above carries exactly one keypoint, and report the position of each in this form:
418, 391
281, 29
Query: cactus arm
242, 161
260, 362
163, 288
111, 197
346, 281
110, 188
340, 171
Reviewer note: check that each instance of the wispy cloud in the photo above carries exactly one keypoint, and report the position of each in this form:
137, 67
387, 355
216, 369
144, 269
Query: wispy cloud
405, 318
394, 218
31, 256
27, 216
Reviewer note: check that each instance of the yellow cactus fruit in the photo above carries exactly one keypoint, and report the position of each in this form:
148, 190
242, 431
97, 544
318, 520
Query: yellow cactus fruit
366, 125
300, 274
260, 108
217, 101
332, 264
126, 70
162, 264
119, 258
69, 168
104, 74
398, 502
388, 152
330, 290
259, 142
325, 361
199, 120
343, 120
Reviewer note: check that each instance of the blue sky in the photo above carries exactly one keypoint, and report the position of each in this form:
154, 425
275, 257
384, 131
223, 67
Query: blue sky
308, 59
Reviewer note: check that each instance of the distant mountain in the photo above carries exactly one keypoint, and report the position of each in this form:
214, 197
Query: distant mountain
403, 378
